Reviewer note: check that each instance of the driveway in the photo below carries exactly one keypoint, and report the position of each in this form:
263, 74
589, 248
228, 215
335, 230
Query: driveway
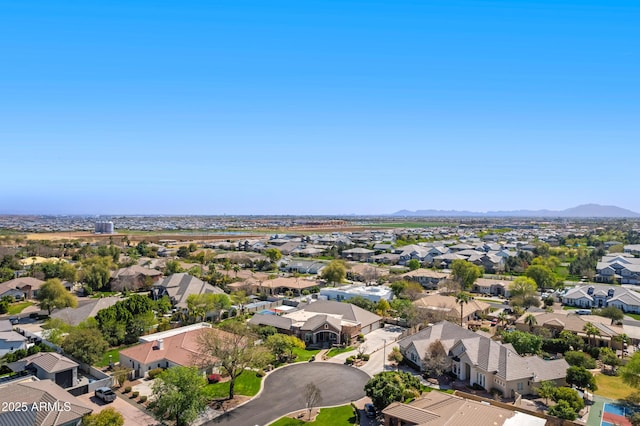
339, 384
133, 416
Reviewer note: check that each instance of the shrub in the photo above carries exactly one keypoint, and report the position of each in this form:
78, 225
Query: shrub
214, 378
365, 357
260, 373
143, 399
127, 389
154, 373
360, 337
350, 360
135, 394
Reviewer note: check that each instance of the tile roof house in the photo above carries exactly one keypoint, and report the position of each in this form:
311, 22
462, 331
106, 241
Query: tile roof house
134, 278
54, 405
51, 366
445, 307
477, 359
428, 278
441, 409
323, 322
179, 286
181, 349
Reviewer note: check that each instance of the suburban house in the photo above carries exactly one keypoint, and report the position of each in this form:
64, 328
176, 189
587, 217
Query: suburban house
74, 316
441, 409
281, 285
491, 287
49, 366
10, 340
441, 307
346, 292
60, 408
27, 286
166, 349
574, 323
134, 278
179, 286
358, 254
632, 249
600, 296
428, 278
323, 322
623, 269
303, 266
478, 360
365, 273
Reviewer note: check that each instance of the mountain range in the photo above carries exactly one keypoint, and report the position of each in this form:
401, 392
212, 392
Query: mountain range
582, 211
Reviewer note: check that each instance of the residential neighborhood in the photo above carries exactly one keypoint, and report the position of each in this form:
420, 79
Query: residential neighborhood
472, 318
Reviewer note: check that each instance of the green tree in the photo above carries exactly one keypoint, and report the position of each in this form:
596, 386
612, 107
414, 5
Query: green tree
462, 298
580, 359
273, 254
240, 299
563, 410
234, 350
609, 357
390, 386
436, 360
53, 295
334, 272
634, 418
623, 339
413, 264
523, 287
172, 267
542, 275
107, 417
546, 390
395, 356
465, 273
383, 307
282, 346
581, 378
611, 312
85, 344
362, 302
183, 252
630, 372
523, 343
569, 395
397, 287
591, 330
96, 272
531, 321
179, 393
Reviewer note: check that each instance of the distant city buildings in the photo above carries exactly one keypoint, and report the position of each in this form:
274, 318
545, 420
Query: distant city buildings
104, 227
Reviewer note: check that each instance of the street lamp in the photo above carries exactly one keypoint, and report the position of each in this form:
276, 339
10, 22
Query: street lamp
384, 353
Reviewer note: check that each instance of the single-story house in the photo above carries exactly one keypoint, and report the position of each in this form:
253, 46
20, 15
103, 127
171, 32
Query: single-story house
441, 307
28, 286
179, 286
166, 349
10, 340
74, 316
441, 409
134, 278
55, 406
49, 366
478, 360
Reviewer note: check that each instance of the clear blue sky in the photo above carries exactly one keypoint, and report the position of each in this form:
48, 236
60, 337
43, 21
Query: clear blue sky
317, 107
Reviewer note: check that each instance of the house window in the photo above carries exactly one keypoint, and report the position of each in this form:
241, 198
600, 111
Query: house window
520, 387
326, 326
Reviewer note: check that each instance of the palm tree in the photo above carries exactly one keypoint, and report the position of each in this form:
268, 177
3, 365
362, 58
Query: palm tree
530, 320
590, 330
503, 317
623, 339
462, 298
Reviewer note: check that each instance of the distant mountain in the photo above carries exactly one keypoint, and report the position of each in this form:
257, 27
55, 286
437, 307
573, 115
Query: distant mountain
583, 211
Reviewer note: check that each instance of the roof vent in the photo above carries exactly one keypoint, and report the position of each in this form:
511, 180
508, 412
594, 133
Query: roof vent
160, 344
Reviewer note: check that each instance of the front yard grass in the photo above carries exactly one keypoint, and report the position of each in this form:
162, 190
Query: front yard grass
337, 351
634, 316
104, 362
16, 308
334, 416
248, 384
612, 387
304, 355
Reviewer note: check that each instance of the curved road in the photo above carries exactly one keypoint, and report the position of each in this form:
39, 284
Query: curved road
282, 392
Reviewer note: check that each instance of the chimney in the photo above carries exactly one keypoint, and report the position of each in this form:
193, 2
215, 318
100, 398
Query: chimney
160, 344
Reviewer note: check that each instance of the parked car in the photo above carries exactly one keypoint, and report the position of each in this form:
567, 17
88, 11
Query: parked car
583, 312
370, 410
105, 394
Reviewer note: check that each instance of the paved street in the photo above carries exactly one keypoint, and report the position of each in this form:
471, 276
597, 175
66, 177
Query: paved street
339, 384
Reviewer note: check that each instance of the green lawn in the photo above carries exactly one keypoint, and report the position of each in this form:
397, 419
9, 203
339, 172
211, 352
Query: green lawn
337, 351
247, 384
335, 416
570, 308
16, 308
634, 316
114, 355
304, 355
612, 387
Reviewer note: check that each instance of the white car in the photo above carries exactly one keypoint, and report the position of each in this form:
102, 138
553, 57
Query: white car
105, 394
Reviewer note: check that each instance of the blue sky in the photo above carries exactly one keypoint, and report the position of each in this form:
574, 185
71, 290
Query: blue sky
317, 107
